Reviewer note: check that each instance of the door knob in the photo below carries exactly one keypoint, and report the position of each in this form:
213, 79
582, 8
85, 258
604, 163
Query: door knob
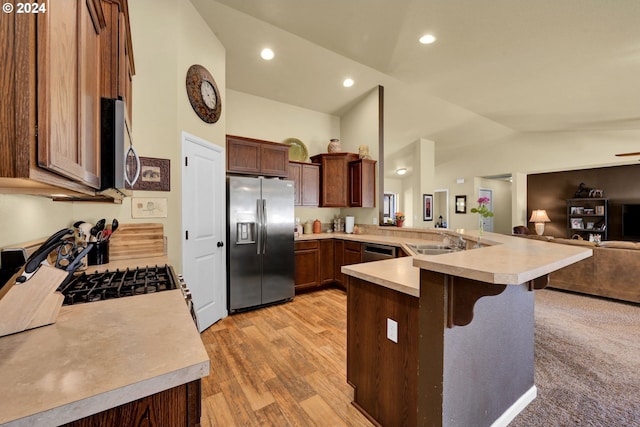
220, 244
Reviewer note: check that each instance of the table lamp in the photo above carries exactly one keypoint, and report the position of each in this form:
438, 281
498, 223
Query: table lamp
539, 217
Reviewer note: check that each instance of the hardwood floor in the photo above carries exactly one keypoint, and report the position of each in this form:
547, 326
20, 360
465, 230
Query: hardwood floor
283, 365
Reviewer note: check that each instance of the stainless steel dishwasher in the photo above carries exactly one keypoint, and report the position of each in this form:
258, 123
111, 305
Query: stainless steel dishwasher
376, 252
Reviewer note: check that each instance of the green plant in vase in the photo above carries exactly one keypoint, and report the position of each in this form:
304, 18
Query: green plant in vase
482, 211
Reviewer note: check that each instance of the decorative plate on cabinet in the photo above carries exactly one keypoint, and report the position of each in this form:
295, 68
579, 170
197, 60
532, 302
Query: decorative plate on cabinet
297, 150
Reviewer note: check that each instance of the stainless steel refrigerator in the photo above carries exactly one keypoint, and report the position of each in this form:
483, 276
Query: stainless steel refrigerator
259, 242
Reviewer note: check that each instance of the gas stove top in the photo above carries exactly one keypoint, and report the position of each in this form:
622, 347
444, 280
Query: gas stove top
118, 284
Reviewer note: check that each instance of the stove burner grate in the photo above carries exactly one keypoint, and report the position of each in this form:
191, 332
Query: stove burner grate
118, 284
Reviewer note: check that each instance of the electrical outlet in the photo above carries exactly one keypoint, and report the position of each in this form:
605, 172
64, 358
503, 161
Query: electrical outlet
392, 330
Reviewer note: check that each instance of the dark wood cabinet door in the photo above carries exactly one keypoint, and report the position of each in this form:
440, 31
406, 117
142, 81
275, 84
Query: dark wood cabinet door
307, 264
274, 160
178, 406
306, 178
362, 183
256, 157
327, 260
295, 175
334, 178
310, 194
243, 156
352, 253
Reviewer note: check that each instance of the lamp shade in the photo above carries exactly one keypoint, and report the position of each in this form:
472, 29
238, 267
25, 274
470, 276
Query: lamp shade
539, 215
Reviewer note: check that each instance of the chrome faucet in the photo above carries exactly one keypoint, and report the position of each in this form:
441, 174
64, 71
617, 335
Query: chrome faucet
454, 241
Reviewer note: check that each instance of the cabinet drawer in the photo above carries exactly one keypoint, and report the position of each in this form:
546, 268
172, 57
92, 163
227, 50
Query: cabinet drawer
352, 246
306, 245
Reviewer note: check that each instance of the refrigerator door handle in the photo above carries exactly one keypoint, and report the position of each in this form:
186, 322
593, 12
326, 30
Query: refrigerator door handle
260, 226
264, 226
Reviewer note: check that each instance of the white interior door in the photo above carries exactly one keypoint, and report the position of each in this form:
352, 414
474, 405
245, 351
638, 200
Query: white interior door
203, 227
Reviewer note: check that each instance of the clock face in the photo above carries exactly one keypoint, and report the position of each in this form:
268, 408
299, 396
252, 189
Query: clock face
208, 94
203, 94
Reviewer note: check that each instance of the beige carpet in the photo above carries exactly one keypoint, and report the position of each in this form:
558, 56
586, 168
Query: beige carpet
587, 362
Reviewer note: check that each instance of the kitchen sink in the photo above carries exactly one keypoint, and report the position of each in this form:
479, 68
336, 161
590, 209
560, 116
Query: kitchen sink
433, 249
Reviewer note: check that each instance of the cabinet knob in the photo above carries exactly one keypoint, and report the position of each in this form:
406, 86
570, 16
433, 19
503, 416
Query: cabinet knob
220, 244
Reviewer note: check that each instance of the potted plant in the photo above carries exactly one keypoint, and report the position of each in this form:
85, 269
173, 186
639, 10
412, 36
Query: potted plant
399, 219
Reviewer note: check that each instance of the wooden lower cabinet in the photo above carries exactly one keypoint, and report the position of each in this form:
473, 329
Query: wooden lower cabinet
352, 253
327, 260
177, 407
307, 264
314, 263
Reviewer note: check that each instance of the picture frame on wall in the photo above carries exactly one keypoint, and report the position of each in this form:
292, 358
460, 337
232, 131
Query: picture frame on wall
149, 207
427, 207
155, 175
461, 204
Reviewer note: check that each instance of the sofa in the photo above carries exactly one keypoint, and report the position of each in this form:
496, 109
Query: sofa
613, 271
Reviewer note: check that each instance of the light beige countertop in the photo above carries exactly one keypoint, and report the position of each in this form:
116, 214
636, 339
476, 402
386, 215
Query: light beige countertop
97, 356
398, 274
506, 260
374, 238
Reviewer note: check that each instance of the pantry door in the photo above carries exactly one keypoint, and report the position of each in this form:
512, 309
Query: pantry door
203, 227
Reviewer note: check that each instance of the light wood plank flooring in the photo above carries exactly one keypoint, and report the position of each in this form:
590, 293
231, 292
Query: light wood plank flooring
283, 365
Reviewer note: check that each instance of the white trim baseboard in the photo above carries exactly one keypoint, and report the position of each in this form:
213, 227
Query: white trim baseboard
517, 407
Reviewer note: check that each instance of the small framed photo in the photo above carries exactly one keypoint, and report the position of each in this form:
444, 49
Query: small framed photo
599, 210
427, 207
577, 224
590, 225
461, 204
577, 210
589, 211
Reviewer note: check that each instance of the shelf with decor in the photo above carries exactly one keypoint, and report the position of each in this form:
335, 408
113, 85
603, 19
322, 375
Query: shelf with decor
588, 218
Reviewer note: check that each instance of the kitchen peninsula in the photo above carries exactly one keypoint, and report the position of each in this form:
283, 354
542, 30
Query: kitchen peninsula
448, 340
137, 358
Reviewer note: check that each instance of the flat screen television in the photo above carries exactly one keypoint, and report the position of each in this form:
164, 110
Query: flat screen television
631, 220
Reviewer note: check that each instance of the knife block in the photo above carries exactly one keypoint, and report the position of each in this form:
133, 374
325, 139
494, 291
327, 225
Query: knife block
33, 303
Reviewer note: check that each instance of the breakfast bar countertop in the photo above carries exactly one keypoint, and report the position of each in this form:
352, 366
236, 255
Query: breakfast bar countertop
98, 356
504, 260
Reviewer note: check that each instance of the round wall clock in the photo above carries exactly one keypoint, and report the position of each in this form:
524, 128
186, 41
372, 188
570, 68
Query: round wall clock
203, 94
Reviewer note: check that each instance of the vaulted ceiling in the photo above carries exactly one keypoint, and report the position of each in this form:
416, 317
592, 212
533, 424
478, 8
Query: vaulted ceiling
497, 67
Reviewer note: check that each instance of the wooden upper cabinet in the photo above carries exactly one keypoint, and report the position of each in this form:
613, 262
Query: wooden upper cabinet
256, 157
56, 67
68, 68
334, 178
362, 183
306, 178
117, 55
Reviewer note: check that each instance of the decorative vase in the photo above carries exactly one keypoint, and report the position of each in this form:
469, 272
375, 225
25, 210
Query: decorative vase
363, 151
399, 222
334, 146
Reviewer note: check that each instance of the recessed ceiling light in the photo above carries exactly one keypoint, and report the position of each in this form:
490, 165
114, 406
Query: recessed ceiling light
401, 171
267, 54
347, 82
427, 39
